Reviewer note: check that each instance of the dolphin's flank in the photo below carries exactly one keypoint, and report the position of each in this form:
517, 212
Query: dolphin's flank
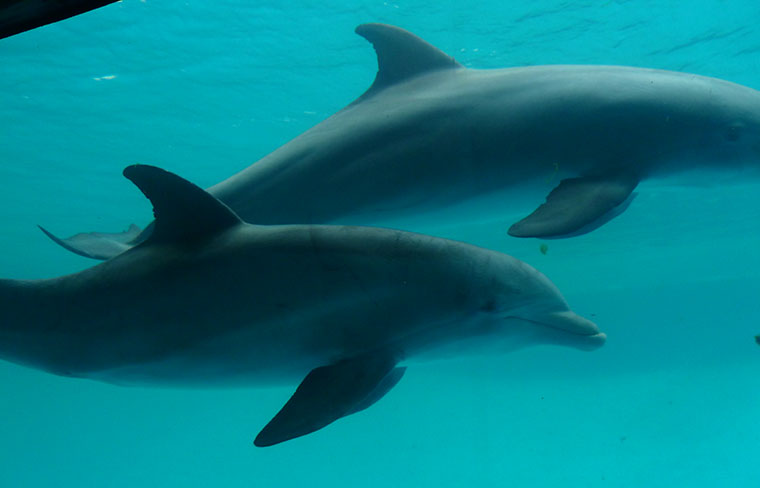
210, 300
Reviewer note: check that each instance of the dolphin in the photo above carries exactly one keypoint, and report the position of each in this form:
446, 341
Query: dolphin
210, 300
430, 133
17, 16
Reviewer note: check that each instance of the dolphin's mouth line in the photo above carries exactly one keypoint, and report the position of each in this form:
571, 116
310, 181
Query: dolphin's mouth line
590, 333
591, 337
571, 331
597, 336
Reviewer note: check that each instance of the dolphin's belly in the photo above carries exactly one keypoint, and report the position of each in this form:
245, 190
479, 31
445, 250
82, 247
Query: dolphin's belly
245, 359
250, 358
284, 348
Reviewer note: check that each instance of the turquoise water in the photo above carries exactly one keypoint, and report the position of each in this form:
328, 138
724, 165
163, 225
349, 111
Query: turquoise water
205, 91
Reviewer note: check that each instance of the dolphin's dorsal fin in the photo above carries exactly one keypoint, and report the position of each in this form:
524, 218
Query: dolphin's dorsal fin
183, 211
401, 55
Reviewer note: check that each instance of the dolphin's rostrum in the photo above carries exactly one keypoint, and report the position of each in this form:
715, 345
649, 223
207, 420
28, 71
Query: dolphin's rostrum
210, 300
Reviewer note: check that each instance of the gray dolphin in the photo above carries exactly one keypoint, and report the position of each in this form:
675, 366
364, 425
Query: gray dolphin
210, 300
430, 133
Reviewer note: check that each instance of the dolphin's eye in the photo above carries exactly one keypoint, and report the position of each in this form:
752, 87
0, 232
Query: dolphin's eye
733, 133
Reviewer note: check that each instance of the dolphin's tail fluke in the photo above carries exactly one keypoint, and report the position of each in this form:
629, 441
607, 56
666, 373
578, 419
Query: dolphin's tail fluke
101, 245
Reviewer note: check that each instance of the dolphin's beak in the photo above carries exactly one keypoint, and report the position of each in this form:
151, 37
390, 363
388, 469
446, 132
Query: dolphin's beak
582, 333
590, 342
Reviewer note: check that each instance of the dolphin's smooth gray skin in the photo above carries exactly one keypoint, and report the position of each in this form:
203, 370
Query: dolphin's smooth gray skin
210, 300
430, 133
18, 16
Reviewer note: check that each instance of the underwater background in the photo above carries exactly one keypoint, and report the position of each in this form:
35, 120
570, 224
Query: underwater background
204, 89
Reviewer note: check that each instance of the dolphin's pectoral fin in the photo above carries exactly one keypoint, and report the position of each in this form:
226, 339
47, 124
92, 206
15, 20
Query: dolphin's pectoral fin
401, 55
577, 206
184, 212
98, 245
329, 393
386, 384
